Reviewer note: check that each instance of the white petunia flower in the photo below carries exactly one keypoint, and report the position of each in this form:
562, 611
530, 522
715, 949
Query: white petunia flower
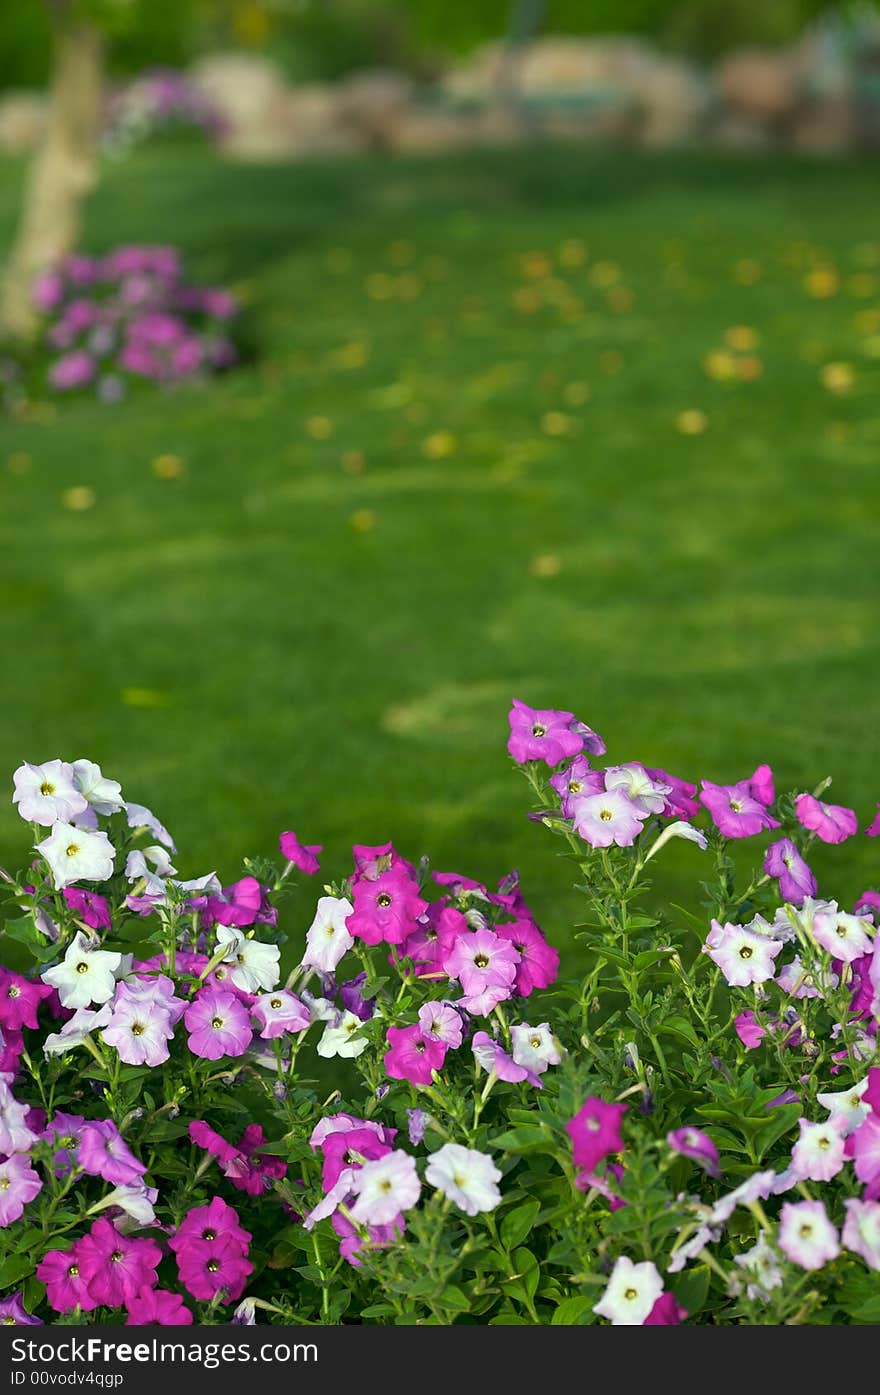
328, 939
104, 796
818, 1154
846, 1107
679, 829
77, 854
536, 1048
74, 1032
632, 1291
85, 975
761, 1264
341, 1040
15, 1136
466, 1176
47, 794
139, 816
647, 794
253, 965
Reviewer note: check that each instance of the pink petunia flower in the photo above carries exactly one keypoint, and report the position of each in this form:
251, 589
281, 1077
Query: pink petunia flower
301, 855
103, 1152
806, 1235
386, 907
19, 1184
116, 1266
413, 1056
734, 809
156, 1307
743, 956
218, 1025
861, 1230
693, 1143
831, 822
595, 1131
214, 1268
538, 965
610, 817
19, 999
66, 1287
542, 734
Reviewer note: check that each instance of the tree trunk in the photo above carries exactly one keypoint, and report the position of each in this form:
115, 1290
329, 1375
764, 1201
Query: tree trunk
63, 173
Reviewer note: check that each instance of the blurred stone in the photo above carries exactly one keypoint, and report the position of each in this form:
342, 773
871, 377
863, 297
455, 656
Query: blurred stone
761, 83
250, 94
370, 106
22, 121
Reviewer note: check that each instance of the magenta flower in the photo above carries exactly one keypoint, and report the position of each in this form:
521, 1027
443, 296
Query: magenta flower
19, 999
350, 1149
71, 371
351, 1240
863, 1146
203, 1136
209, 1268
762, 786
386, 907
575, 780
103, 1152
696, 1145
610, 817
218, 1220
344, 1123
14, 1314
278, 1013
871, 1093
413, 1056
481, 959
795, 878
302, 855
542, 734
680, 801
156, 1307
91, 908
873, 829
595, 1131
489, 1054
433, 938
251, 1170
830, 822
749, 1030
243, 903
666, 1312
115, 1266
538, 965
734, 810
19, 1184
218, 1025
66, 1287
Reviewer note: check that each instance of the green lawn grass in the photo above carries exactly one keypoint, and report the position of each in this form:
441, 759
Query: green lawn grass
453, 472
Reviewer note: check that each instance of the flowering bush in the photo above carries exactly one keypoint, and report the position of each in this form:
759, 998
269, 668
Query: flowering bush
130, 316
160, 101
691, 1131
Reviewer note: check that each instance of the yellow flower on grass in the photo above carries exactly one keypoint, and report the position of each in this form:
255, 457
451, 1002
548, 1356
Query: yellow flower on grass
822, 282
438, 445
79, 498
545, 565
556, 424
167, 467
319, 428
838, 377
692, 422
742, 338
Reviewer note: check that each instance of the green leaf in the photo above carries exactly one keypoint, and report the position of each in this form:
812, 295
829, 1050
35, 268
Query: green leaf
573, 1312
16, 1267
517, 1224
527, 1139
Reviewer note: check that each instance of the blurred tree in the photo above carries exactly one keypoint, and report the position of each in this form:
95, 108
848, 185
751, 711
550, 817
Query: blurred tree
64, 168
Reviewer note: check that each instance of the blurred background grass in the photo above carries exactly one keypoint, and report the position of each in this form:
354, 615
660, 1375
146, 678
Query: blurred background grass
594, 431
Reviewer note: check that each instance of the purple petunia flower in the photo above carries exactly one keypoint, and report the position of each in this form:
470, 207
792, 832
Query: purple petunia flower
693, 1143
734, 809
831, 822
795, 878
